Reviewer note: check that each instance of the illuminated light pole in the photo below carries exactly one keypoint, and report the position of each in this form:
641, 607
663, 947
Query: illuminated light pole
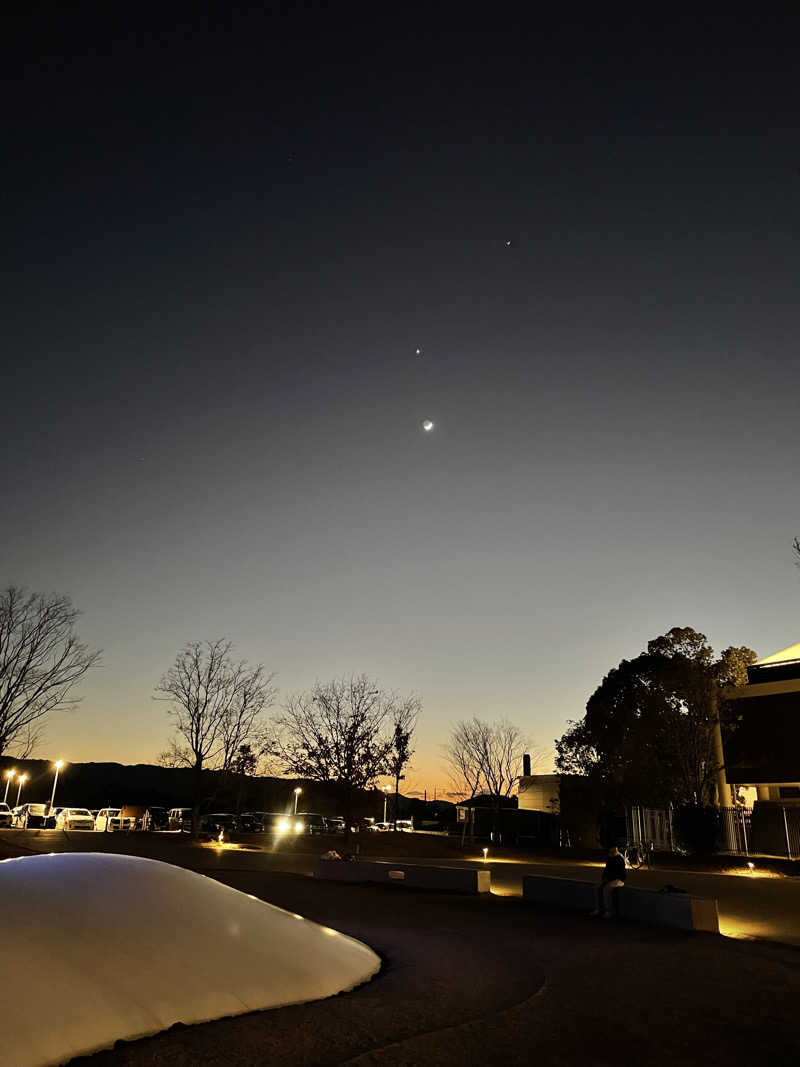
297, 793
485, 854
9, 776
386, 790
22, 780
58, 765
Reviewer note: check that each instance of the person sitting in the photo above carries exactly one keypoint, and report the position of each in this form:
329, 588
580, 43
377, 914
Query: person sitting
613, 877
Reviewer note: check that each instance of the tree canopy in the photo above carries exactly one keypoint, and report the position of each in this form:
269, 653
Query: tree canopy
648, 733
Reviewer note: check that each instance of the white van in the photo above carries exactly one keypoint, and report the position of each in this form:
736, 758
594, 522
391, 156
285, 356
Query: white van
180, 819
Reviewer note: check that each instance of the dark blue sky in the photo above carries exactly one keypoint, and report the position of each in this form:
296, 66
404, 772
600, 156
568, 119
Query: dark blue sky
224, 240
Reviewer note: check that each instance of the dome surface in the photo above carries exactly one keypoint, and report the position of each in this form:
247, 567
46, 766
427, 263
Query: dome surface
102, 947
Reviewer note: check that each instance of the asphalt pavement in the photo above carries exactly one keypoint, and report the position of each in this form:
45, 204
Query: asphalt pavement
483, 980
751, 905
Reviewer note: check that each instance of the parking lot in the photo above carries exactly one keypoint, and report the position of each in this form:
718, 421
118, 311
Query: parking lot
43, 816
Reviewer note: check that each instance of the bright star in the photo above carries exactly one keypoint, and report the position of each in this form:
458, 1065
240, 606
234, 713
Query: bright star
427, 425
419, 351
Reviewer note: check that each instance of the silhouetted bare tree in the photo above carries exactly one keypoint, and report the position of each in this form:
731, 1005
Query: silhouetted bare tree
462, 755
487, 757
341, 731
41, 661
215, 703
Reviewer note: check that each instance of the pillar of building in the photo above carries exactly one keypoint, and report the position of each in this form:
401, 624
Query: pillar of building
724, 799
762, 792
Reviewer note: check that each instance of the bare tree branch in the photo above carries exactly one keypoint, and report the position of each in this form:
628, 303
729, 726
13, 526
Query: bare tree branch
215, 704
41, 660
342, 731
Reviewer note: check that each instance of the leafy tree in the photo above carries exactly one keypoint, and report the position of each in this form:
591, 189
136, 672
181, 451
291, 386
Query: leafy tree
245, 762
215, 704
343, 731
650, 732
41, 662
400, 753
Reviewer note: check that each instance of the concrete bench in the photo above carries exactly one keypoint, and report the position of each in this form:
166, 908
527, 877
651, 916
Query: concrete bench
446, 879
567, 893
681, 911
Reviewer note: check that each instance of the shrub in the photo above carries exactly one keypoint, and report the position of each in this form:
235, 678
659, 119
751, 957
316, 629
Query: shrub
697, 829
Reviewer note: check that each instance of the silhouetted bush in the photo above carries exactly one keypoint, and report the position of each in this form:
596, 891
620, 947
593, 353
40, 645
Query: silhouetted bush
696, 829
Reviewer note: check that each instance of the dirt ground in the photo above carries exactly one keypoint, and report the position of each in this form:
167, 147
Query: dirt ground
493, 980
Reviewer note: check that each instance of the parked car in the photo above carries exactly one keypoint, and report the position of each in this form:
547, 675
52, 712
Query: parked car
74, 819
281, 823
180, 819
251, 822
336, 825
312, 823
30, 816
154, 818
111, 819
6, 816
218, 822
381, 827
405, 824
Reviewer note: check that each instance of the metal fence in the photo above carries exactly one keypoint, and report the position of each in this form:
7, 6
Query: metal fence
774, 830
736, 830
647, 826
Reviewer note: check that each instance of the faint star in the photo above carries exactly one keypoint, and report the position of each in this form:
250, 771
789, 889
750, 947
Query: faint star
427, 425
508, 244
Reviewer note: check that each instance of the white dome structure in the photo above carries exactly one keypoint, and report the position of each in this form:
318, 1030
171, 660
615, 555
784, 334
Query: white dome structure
101, 947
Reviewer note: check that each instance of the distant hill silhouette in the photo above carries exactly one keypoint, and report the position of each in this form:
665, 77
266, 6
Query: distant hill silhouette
100, 785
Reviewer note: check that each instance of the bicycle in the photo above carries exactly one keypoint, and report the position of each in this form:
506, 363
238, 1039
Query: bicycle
638, 855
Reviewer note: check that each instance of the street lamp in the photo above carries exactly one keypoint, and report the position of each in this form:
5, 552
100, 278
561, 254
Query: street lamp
297, 793
22, 779
9, 776
386, 791
58, 765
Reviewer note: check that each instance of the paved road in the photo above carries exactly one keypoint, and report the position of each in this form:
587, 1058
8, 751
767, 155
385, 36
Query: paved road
749, 905
483, 980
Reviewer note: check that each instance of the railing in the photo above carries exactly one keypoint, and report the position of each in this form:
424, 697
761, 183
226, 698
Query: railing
775, 831
651, 826
736, 830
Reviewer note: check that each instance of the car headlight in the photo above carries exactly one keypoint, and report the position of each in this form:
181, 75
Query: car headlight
283, 826
299, 827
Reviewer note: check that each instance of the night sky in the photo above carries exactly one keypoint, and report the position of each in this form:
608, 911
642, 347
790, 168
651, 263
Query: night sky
223, 241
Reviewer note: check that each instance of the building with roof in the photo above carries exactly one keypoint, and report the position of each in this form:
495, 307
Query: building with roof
762, 750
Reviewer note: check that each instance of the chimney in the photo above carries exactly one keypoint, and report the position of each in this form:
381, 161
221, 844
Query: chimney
526, 765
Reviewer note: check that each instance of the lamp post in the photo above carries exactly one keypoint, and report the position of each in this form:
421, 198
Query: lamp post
386, 790
22, 779
9, 776
58, 765
297, 793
